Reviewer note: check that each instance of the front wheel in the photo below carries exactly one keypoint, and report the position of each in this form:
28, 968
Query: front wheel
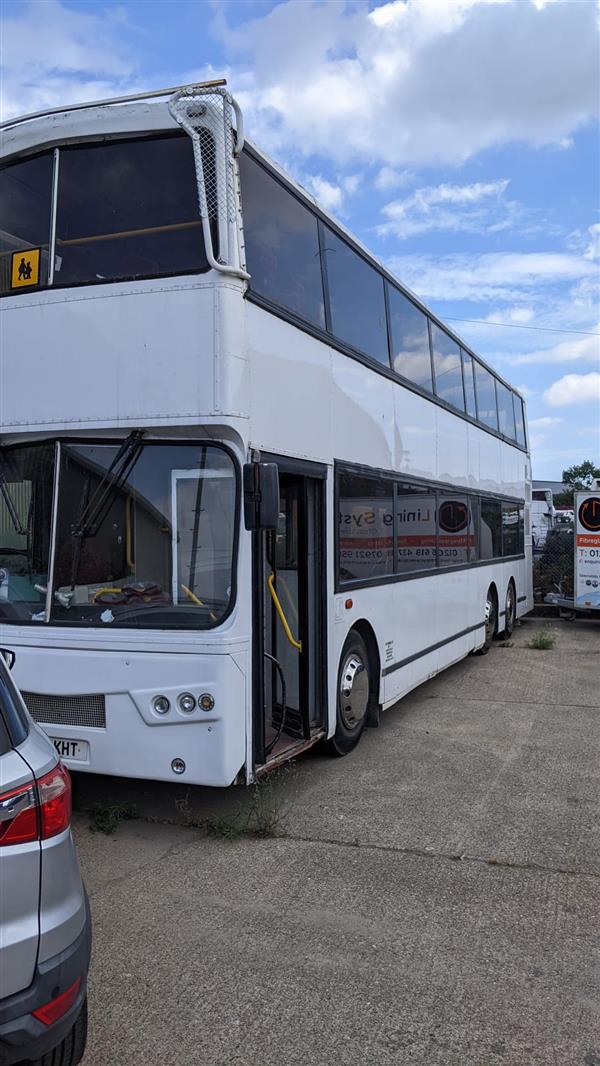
353, 695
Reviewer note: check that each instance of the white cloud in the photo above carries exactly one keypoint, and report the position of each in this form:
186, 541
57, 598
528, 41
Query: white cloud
574, 388
388, 178
593, 249
471, 208
415, 82
488, 277
52, 54
330, 196
544, 423
584, 349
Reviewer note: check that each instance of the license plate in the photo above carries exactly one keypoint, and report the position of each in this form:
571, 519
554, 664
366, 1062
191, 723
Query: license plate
75, 750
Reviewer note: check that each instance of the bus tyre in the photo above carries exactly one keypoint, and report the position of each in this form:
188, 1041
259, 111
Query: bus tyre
353, 695
510, 613
491, 621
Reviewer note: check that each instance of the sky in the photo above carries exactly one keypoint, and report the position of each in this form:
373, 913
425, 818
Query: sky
458, 139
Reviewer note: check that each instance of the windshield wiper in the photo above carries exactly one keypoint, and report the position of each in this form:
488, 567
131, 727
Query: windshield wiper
95, 509
10, 506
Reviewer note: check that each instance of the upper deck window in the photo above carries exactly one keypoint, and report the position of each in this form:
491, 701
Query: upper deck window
506, 415
282, 244
128, 209
469, 383
447, 366
410, 340
519, 419
356, 299
25, 209
486, 396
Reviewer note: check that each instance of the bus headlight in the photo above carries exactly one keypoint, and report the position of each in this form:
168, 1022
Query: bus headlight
206, 701
161, 705
186, 702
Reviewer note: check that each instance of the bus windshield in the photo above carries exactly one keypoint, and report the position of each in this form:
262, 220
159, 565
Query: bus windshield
145, 535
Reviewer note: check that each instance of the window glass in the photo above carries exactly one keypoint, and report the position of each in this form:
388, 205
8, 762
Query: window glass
469, 384
128, 210
366, 527
25, 201
511, 537
447, 367
356, 300
149, 542
410, 340
456, 530
490, 530
519, 419
416, 534
26, 489
282, 244
521, 530
506, 416
12, 717
486, 396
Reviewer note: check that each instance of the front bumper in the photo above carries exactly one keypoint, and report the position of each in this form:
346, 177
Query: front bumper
21, 1035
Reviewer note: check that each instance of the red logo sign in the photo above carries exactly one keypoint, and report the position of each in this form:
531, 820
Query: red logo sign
453, 516
589, 514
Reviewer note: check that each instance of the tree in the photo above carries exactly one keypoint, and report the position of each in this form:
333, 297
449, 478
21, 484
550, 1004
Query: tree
577, 477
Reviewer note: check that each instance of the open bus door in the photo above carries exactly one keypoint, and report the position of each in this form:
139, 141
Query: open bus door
289, 623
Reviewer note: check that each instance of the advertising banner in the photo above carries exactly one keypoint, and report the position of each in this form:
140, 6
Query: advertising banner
587, 550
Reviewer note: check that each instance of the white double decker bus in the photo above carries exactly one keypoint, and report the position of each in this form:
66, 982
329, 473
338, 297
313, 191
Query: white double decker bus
252, 491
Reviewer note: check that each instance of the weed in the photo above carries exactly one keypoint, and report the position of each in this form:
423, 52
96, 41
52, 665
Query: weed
506, 644
231, 828
106, 820
543, 640
264, 815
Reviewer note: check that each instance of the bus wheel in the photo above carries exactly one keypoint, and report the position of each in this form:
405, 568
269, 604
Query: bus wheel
510, 615
491, 619
353, 694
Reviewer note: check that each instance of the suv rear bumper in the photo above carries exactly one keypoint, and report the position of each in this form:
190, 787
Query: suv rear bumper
21, 1035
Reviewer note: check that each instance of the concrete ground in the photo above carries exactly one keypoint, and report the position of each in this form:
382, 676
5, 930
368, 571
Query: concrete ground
433, 899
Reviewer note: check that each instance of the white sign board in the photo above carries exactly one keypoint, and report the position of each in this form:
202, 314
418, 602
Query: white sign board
587, 550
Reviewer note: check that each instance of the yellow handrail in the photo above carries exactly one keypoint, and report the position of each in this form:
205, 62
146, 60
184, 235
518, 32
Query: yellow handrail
295, 643
195, 599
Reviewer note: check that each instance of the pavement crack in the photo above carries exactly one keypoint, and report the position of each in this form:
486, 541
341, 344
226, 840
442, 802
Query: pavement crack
447, 856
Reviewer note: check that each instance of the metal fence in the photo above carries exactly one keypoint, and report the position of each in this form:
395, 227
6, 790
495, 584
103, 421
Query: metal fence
554, 565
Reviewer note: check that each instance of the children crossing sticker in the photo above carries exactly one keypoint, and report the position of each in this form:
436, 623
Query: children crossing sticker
25, 268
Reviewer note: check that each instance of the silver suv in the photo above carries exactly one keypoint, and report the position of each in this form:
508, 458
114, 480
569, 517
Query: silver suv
45, 929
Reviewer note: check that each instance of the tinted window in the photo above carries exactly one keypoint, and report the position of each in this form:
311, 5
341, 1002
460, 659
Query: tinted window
25, 199
506, 416
519, 419
356, 299
282, 244
13, 724
469, 380
490, 530
410, 340
456, 531
416, 534
447, 367
128, 210
486, 397
366, 523
511, 538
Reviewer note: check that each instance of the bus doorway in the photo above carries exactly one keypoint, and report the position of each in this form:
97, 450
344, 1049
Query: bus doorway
290, 704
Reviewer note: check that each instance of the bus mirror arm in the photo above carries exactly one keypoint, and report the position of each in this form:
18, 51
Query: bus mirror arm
261, 496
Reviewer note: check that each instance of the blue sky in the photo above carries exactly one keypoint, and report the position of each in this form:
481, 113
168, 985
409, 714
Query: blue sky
457, 138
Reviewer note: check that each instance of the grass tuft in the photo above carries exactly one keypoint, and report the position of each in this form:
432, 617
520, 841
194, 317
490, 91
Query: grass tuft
105, 819
543, 640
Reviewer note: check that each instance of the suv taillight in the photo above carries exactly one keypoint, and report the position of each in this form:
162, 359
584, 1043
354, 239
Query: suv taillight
36, 811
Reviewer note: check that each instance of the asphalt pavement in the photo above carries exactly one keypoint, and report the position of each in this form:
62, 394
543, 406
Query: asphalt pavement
433, 899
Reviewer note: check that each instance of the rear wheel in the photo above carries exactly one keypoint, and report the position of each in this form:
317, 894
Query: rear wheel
491, 621
353, 695
70, 1051
510, 610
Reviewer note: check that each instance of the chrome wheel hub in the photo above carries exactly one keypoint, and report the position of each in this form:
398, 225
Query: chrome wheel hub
353, 691
490, 619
